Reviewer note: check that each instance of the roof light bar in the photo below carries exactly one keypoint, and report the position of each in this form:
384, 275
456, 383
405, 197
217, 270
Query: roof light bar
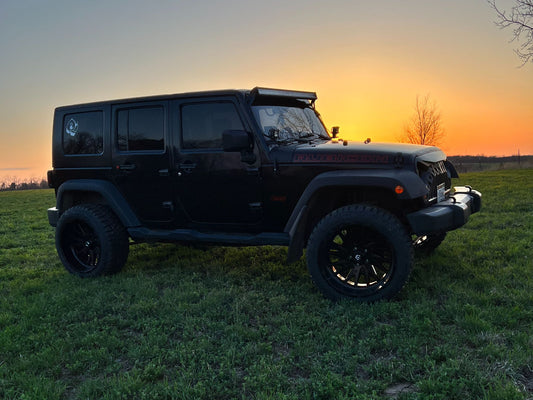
285, 93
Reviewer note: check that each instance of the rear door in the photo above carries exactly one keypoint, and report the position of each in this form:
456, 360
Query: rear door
142, 158
213, 186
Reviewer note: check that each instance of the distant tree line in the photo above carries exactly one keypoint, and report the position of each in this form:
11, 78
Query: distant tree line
459, 161
484, 163
490, 159
17, 184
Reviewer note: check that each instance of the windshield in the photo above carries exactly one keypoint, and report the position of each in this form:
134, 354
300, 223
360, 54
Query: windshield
284, 124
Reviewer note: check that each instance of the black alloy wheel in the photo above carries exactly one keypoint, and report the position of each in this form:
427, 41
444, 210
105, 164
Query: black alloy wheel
360, 258
91, 241
359, 252
82, 246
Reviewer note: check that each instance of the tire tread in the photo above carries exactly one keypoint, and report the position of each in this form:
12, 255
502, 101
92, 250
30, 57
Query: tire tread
367, 215
115, 234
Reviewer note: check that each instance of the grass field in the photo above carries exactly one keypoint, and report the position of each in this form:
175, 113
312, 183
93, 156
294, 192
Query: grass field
227, 323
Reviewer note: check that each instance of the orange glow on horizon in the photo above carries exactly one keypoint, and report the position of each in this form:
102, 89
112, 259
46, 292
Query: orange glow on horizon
367, 61
359, 117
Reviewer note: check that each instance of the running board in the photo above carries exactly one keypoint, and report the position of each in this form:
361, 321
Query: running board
190, 235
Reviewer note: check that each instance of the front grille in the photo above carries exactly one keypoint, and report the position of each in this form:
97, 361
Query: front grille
434, 174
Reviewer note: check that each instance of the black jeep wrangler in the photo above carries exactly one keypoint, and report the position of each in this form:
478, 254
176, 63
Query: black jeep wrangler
247, 167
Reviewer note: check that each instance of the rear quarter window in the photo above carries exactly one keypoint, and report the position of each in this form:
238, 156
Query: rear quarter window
83, 133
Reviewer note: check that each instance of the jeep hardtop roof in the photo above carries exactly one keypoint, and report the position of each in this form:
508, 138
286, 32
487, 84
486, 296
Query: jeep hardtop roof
242, 93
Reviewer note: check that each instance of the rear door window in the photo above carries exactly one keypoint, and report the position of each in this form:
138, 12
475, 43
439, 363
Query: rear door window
141, 129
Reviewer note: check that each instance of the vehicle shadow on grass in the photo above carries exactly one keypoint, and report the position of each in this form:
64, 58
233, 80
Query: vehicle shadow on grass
256, 262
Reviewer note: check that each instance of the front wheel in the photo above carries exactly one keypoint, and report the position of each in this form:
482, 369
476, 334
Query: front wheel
91, 240
359, 252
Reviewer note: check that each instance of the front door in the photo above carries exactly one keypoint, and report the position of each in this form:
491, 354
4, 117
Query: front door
213, 186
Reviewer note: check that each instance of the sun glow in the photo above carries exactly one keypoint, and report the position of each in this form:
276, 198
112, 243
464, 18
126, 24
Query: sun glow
367, 63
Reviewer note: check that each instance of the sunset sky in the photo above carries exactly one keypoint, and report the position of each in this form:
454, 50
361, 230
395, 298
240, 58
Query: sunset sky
366, 60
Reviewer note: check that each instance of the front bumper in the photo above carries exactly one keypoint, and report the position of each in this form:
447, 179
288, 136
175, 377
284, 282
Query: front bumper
446, 215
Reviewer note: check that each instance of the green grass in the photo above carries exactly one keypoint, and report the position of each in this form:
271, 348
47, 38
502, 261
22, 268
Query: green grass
190, 323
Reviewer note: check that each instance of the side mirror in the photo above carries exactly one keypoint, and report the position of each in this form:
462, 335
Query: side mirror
236, 141
334, 131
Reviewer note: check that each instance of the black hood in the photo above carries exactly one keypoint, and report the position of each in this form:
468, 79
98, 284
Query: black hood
335, 152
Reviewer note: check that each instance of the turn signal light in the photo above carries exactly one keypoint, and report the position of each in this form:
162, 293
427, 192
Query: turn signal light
399, 189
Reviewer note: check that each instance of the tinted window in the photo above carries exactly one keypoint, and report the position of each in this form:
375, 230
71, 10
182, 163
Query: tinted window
141, 129
203, 123
83, 133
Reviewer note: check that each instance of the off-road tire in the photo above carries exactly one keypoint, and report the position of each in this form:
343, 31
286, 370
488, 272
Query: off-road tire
359, 252
91, 241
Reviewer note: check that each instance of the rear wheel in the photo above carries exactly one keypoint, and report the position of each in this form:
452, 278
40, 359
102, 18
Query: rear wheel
359, 252
91, 241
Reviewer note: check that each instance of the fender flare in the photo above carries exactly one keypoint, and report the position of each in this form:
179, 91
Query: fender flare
107, 190
413, 186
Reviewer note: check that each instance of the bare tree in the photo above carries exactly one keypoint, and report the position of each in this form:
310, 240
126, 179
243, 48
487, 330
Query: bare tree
520, 19
425, 126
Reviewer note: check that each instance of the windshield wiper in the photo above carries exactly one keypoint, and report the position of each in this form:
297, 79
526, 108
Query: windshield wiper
313, 135
300, 137
274, 135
